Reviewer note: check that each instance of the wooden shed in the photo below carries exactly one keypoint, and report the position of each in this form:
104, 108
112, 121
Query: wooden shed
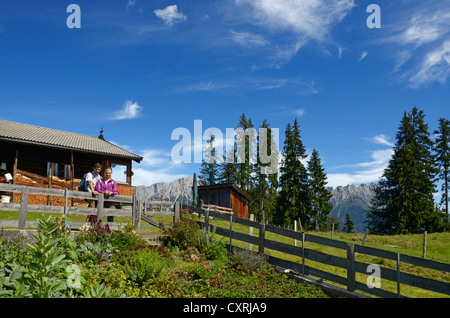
38, 156
227, 195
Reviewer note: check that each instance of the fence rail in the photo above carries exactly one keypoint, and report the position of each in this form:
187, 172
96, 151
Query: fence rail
128, 202
348, 263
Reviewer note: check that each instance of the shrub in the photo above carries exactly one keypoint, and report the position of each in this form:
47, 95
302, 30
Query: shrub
249, 261
140, 265
184, 234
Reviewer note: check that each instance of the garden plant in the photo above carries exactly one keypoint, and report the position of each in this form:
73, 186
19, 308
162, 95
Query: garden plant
104, 263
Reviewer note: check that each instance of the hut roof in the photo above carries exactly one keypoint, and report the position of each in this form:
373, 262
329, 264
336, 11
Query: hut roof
30, 134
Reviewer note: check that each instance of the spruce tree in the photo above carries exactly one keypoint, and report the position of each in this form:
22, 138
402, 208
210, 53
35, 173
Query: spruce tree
264, 186
319, 195
244, 165
209, 170
403, 201
293, 198
442, 151
348, 224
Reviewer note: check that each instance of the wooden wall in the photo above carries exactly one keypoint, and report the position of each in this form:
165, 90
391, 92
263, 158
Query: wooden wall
226, 197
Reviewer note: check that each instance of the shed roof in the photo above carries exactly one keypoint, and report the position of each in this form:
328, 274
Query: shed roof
227, 185
30, 134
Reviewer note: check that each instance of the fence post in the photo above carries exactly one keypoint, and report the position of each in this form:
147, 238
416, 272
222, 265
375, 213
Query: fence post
100, 203
424, 253
176, 214
303, 253
65, 202
351, 267
231, 231
252, 218
207, 222
23, 208
398, 275
262, 233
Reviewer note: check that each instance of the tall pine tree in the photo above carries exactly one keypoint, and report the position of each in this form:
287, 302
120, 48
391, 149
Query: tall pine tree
293, 199
319, 195
442, 151
403, 201
264, 187
209, 170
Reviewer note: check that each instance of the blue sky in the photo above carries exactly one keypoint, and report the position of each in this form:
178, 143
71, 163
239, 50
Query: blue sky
140, 69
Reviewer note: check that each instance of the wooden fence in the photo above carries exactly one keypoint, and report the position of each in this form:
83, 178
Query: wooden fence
349, 263
128, 205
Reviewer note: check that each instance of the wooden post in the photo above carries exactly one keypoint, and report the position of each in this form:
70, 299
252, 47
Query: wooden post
424, 254
332, 230
23, 208
262, 233
65, 202
207, 222
365, 235
176, 214
351, 267
250, 245
16, 160
295, 229
100, 203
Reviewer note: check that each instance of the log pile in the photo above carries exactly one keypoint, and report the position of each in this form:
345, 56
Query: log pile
33, 180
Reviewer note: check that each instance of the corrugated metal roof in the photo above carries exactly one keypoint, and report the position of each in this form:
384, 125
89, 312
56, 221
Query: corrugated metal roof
60, 139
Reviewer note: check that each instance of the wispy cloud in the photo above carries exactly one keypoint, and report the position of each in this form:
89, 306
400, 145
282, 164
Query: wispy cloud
299, 21
245, 84
157, 166
363, 56
310, 19
130, 110
170, 15
381, 140
421, 38
366, 171
248, 39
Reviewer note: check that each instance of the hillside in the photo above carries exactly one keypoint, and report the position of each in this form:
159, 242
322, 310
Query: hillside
346, 199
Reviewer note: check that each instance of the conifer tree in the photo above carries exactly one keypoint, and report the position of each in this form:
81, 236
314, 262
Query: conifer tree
319, 195
348, 223
209, 170
264, 187
403, 201
442, 151
244, 150
293, 199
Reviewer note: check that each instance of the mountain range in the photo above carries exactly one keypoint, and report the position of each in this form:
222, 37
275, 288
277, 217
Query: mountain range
351, 199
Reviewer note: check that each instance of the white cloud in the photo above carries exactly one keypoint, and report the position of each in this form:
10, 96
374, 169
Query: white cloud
381, 140
363, 55
421, 37
434, 67
247, 39
170, 15
364, 172
130, 110
157, 166
309, 18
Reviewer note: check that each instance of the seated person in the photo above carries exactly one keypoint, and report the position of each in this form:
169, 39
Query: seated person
107, 186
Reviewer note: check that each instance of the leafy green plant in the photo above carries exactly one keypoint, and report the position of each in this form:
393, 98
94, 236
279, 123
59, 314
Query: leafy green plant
140, 265
42, 274
101, 291
184, 234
